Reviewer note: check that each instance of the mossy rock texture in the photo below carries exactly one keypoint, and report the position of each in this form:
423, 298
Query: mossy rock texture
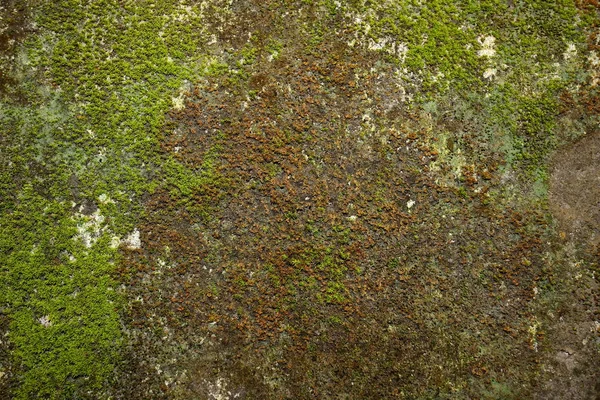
299, 199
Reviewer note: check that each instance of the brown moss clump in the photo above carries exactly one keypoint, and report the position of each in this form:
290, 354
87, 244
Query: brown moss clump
311, 275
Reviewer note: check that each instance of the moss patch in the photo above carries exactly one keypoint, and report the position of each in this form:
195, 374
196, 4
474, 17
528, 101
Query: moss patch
289, 199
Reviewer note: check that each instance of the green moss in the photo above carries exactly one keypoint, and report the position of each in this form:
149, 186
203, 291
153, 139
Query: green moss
61, 300
108, 70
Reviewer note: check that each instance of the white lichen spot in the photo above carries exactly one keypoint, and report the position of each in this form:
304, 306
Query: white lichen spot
115, 242
533, 330
101, 156
178, 102
45, 321
218, 390
595, 79
403, 79
401, 50
377, 45
571, 52
390, 46
490, 73
90, 227
185, 13
133, 240
410, 204
438, 76
352, 218
104, 199
487, 46
593, 59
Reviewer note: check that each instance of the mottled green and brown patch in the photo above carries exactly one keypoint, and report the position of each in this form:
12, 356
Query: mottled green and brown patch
356, 246
345, 200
